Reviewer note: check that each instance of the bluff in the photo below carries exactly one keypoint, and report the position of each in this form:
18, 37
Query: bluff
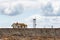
30, 33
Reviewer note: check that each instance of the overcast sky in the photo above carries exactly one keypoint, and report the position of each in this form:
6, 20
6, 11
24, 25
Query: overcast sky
47, 13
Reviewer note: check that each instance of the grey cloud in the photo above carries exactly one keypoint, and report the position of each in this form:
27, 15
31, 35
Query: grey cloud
58, 13
48, 10
18, 9
33, 0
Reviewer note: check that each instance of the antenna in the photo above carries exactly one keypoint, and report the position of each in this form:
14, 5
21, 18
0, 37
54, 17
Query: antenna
34, 22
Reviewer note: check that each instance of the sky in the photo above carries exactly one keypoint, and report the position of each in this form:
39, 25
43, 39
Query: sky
46, 12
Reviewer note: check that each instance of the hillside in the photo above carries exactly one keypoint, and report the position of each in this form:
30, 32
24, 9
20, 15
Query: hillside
29, 34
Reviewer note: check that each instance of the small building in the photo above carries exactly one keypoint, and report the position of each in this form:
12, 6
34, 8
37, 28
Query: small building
19, 25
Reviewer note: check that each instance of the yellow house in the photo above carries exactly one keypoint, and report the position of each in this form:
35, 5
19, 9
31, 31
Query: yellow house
19, 25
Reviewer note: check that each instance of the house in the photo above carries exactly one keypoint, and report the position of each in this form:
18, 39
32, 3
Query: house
19, 25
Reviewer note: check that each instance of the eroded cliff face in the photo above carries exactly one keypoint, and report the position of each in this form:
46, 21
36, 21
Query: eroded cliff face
29, 34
